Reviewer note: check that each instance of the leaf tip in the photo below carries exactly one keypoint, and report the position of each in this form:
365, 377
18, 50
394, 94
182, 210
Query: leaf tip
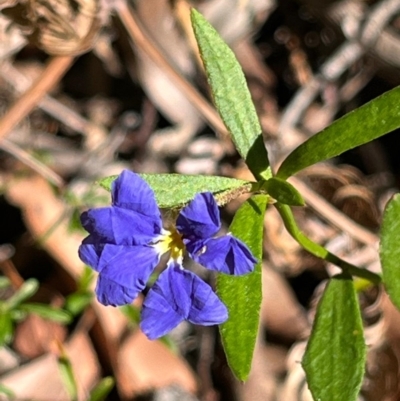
195, 17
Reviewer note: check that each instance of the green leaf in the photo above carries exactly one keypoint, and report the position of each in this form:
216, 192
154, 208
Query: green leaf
68, 377
47, 312
27, 289
368, 122
100, 392
284, 192
75, 303
177, 189
85, 279
132, 313
334, 360
7, 391
17, 315
231, 96
6, 327
390, 249
242, 294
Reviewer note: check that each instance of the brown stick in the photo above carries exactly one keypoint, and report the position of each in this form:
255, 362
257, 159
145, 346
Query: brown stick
145, 44
335, 216
51, 75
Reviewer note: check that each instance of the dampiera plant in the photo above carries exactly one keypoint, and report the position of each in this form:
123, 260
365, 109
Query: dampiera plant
127, 239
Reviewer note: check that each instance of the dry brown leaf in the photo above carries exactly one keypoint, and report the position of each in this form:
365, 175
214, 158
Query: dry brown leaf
144, 365
35, 335
281, 313
39, 379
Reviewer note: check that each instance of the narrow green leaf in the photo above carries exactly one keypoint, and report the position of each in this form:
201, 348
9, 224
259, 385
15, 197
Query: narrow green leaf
231, 96
132, 313
75, 303
284, 192
334, 360
7, 392
177, 189
242, 294
390, 249
47, 312
27, 289
368, 122
68, 377
17, 315
6, 328
85, 279
100, 392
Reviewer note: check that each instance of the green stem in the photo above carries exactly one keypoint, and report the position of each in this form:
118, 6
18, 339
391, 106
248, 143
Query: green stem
318, 250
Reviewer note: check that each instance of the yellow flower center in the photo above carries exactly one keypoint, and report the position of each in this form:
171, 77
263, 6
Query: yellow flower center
171, 242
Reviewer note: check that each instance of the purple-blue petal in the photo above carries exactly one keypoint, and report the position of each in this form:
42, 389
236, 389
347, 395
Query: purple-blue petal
90, 252
130, 191
128, 266
124, 270
179, 294
200, 219
158, 317
111, 293
116, 225
225, 254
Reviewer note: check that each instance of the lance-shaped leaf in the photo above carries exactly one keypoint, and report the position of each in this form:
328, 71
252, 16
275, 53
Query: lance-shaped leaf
47, 312
100, 392
242, 294
7, 392
68, 377
368, 122
28, 288
231, 96
334, 360
6, 327
173, 190
390, 249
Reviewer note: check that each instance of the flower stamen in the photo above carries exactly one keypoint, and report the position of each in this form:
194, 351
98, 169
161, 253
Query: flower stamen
171, 241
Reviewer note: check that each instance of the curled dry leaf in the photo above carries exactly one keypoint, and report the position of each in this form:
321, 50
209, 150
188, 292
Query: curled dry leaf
59, 27
64, 27
358, 202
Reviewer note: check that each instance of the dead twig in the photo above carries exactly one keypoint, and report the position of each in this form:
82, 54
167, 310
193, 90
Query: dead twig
51, 106
32, 162
51, 75
340, 61
144, 43
334, 216
7, 266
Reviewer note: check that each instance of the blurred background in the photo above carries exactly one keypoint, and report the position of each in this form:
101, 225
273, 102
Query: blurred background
90, 87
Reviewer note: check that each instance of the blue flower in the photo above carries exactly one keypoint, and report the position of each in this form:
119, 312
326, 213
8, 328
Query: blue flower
126, 241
